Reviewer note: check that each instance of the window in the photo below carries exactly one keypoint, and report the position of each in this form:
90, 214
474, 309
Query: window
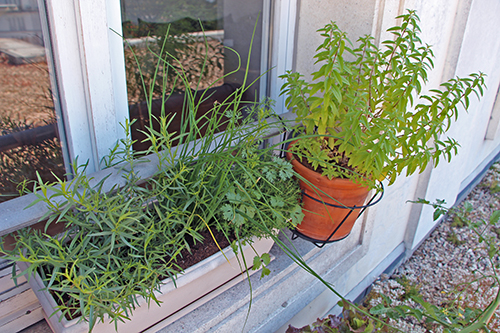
89, 59
90, 70
208, 40
29, 136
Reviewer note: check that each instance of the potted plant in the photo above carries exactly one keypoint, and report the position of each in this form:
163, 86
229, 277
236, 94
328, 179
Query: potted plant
365, 119
123, 246
120, 256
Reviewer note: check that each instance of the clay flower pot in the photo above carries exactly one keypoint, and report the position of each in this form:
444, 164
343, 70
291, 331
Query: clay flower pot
325, 219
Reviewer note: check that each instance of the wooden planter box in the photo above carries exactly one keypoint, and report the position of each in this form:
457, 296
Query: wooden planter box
19, 307
197, 285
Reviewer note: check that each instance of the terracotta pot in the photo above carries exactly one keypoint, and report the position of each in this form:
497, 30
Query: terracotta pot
320, 220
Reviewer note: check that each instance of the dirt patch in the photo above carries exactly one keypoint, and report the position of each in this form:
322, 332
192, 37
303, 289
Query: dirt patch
202, 250
25, 92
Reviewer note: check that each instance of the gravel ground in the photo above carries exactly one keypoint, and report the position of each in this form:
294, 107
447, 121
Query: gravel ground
451, 258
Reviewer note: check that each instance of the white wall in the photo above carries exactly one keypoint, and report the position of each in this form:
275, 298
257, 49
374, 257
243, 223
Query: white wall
480, 51
464, 37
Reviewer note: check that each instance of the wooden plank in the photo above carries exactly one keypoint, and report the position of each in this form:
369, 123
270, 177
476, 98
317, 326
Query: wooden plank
22, 319
16, 303
7, 284
13, 292
19, 307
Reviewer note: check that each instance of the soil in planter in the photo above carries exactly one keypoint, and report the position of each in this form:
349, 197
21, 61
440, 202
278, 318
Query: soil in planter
186, 258
202, 250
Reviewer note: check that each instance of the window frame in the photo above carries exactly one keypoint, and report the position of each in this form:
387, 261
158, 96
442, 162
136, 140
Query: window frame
90, 72
90, 85
90, 75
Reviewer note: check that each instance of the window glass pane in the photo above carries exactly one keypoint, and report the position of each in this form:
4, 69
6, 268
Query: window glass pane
225, 23
28, 130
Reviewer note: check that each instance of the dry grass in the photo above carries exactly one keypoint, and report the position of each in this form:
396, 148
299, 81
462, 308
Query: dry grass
202, 64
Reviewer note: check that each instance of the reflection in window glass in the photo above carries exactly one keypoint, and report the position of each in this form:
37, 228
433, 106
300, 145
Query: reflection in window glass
201, 34
28, 132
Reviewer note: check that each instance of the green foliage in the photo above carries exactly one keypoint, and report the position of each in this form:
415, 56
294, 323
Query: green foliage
450, 319
453, 238
250, 195
351, 321
370, 110
409, 289
263, 261
119, 244
493, 187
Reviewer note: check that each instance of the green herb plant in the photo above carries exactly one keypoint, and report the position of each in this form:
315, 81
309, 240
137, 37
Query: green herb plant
121, 243
365, 105
351, 320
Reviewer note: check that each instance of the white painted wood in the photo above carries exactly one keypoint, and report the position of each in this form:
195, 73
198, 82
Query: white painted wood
114, 19
21, 287
98, 73
7, 283
283, 37
67, 53
90, 73
19, 307
264, 54
22, 319
17, 303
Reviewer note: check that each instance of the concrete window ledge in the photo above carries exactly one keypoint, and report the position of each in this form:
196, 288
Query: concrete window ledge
276, 298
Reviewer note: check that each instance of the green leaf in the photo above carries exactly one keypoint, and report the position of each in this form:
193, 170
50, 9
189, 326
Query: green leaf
266, 258
256, 263
227, 212
336, 92
315, 102
379, 309
494, 217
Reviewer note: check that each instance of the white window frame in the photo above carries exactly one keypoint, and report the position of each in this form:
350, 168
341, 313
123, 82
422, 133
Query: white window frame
90, 75
282, 48
91, 71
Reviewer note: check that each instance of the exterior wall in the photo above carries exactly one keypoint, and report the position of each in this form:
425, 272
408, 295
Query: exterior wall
463, 37
480, 50
355, 18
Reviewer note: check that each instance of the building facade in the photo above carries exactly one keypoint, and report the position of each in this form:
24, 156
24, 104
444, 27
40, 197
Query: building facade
87, 60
